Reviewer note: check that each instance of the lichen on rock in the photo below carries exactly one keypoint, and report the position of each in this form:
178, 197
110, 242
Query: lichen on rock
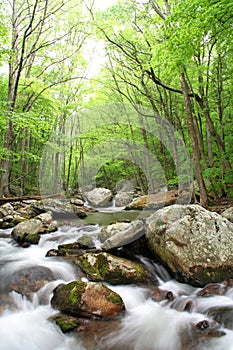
106, 267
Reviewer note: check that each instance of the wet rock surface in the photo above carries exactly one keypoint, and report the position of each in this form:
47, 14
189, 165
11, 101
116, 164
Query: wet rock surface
28, 280
28, 232
112, 269
93, 310
87, 299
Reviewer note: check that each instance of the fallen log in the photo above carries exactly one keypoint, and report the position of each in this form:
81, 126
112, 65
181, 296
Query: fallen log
24, 198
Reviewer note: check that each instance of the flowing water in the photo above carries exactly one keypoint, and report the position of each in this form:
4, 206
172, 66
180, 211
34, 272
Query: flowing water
147, 325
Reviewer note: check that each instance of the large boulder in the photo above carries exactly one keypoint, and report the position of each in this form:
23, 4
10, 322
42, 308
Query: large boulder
111, 269
153, 201
87, 299
196, 245
99, 197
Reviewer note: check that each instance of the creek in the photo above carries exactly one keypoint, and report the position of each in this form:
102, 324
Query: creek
147, 325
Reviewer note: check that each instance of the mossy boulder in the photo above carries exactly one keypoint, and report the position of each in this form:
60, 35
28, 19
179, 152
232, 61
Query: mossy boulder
106, 267
87, 299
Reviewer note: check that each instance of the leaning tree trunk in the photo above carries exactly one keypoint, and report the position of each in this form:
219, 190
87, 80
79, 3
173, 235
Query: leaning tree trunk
194, 141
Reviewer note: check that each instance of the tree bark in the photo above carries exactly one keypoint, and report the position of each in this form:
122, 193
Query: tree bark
194, 141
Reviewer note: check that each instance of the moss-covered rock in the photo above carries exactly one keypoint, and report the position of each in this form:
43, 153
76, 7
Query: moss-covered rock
109, 268
65, 322
87, 299
73, 250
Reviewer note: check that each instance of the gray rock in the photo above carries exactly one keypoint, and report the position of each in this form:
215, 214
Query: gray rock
123, 233
99, 197
194, 243
26, 228
45, 218
123, 198
228, 214
6, 209
77, 201
29, 231
61, 207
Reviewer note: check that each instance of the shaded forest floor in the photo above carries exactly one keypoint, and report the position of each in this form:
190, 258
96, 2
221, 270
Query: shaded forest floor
221, 204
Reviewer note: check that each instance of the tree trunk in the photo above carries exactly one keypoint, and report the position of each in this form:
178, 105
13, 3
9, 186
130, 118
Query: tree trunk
194, 141
5, 165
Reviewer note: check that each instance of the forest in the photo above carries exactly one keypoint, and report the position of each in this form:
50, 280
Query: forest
138, 91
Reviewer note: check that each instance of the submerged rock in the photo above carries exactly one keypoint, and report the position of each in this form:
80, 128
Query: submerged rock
194, 243
213, 289
109, 268
29, 280
87, 299
222, 314
66, 323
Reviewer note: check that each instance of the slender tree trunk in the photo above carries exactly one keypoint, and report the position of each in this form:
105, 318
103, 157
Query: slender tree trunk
5, 165
194, 141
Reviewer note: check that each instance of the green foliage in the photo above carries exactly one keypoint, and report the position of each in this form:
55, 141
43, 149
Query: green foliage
144, 54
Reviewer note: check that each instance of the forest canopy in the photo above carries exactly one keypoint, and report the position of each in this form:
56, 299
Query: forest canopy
138, 91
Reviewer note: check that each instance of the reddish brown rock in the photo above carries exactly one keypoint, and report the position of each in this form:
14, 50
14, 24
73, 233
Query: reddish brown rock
87, 299
154, 201
212, 289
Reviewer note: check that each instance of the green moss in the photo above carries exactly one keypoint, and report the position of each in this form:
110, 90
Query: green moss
102, 265
98, 268
92, 270
65, 322
32, 238
76, 290
115, 299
